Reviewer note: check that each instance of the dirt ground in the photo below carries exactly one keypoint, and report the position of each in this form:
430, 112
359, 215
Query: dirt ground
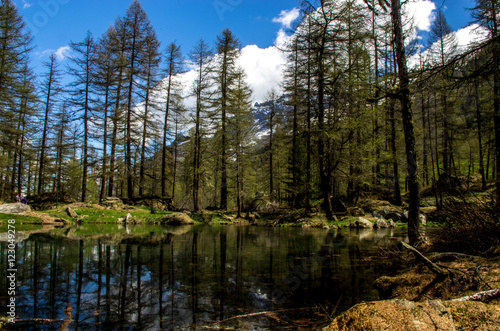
415, 300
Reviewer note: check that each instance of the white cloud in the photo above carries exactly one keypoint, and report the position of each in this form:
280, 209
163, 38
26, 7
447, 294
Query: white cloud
264, 69
465, 38
287, 17
422, 13
26, 4
62, 52
470, 35
282, 39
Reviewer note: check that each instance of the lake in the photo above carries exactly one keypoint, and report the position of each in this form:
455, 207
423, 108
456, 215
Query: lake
193, 277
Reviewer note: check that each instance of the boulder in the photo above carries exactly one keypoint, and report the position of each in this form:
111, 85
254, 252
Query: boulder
395, 315
396, 217
111, 201
381, 224
177, 219
423, 219
71, 213
14, 208
361, 223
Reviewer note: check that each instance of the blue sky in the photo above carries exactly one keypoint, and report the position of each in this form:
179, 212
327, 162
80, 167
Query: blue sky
54, 23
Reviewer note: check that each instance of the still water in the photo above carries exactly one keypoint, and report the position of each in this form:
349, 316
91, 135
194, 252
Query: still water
193, 277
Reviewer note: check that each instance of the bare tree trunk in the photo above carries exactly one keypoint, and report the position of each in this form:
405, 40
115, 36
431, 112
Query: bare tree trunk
411, 153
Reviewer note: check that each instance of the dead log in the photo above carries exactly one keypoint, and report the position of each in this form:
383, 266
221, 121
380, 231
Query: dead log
428, 263
481, 296
449, 256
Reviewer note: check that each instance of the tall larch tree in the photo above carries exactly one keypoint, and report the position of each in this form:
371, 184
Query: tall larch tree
81, 69
174, 65
51, 90
201, 56
152, 78
487, 14
228, 50
15, 47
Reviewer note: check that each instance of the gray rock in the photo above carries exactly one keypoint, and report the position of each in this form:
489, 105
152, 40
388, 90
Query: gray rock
111, 201
381, 224
361, 223
423, 219
71, 213
177, 219
396, 217
14, 208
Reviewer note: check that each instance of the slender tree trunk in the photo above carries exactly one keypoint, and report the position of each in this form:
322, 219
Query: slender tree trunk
197, 143
271, 154
411, 153
86, 133
174, 175
424, 141
324, 173
223, 189
397, 185
164, 150
104, 147
128, 142
41, 167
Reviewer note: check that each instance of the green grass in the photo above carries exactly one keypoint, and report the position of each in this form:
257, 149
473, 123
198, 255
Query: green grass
94, 215
4, 218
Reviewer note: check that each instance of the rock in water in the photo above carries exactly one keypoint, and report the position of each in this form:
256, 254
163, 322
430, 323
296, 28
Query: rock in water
381, 224
361, 223
14, 208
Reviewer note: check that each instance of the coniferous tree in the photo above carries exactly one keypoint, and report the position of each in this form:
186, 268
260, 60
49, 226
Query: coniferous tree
50, 93
82, 70
201, 56
443, 37
487, 14
228, 49
15, 47
132, 30
242, 124
151, 69
174, 66
105, 83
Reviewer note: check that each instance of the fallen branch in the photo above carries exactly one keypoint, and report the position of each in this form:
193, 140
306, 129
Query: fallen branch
481, 296
428, 263
441, 256
270, 314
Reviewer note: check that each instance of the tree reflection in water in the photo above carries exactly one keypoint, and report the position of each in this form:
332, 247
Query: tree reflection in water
201, 276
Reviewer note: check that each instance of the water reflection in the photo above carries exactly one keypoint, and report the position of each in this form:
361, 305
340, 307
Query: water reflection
193, 277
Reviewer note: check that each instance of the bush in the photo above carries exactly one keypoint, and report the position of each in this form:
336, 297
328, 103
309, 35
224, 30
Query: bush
470, 228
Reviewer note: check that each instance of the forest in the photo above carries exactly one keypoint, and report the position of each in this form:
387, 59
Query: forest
355, 119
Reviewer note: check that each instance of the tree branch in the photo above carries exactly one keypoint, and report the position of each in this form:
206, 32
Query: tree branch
428, 263
481, 296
